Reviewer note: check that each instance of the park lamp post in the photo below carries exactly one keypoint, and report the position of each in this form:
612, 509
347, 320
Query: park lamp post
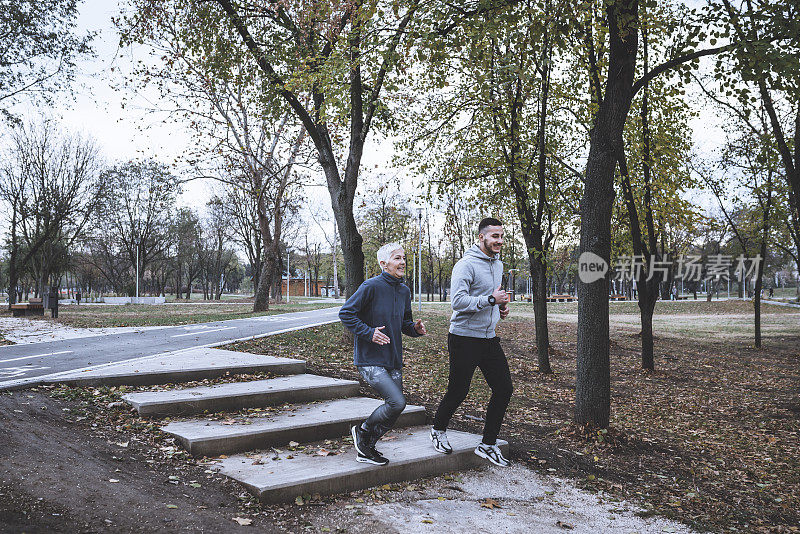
288, 275
419, 260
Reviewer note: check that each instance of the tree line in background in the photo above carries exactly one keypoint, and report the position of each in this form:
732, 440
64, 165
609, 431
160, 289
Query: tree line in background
569, 121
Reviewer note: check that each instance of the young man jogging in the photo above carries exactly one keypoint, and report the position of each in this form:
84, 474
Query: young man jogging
377, 314
478, 302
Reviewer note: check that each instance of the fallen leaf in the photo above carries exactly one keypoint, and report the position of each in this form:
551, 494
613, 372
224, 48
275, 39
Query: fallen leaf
564, 525
243, 521
299, 500
323, 452
427, 520
195, 485
113, 480
490, 504
293, 444
173, 506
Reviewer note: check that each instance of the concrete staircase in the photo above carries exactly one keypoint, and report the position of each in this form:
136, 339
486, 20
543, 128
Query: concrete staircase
281, 455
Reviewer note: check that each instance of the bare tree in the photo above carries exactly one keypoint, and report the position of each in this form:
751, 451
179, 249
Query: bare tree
133, 220
52, 183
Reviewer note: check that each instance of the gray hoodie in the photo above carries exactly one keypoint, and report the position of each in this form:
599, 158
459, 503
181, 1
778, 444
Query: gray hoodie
475, 277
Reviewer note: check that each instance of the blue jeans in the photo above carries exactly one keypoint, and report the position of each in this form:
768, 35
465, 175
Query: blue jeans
389, 384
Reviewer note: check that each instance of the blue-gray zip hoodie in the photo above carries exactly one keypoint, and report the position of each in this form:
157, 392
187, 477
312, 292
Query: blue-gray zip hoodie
383, 300
474, 278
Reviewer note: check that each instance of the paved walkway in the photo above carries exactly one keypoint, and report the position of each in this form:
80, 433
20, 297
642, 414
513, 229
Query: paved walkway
28, 364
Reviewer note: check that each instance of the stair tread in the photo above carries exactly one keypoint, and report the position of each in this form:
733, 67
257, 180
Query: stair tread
408, 446
235, 389
303, 415
184, 365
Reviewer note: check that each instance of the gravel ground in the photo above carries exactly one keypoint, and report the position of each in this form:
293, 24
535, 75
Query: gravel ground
20, 330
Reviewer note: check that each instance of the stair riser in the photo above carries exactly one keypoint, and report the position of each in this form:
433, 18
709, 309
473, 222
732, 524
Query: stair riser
279, 438
227, 404
155, 379
388, 474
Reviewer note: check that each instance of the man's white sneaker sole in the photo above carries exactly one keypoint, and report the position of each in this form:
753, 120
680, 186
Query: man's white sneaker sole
491, 457
437, 445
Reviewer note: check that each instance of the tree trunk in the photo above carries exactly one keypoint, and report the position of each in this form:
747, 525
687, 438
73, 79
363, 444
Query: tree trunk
757, 296
12, 262
539, 271
593, 373
264, 283
647, 304
351, 243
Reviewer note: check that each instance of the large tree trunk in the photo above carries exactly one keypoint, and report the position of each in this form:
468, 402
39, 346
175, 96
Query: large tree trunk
593, 376
351, 243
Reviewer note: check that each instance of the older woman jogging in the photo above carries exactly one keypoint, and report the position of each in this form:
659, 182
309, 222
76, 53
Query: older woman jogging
377, 314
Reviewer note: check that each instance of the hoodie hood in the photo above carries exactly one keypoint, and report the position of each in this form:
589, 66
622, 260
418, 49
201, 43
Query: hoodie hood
475, 252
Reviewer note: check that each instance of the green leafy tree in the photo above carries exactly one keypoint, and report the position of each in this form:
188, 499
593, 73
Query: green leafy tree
655, 179
611, 33
765, 68
330, 63
38, 49
490, 124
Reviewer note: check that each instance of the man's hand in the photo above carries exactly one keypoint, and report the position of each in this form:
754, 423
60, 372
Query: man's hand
500, 296
504, 311
419, 326
379, 337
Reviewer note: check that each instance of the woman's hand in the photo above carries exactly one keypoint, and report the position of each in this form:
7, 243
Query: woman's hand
419, 326
379, 337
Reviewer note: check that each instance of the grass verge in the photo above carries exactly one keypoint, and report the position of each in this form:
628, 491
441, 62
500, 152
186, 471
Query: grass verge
137, 315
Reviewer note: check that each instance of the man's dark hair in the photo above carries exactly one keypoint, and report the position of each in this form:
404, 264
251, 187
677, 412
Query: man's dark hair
488, 221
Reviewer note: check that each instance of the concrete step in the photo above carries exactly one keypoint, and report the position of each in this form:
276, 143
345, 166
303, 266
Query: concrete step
410, 455
238, 395
184, 366
303, 423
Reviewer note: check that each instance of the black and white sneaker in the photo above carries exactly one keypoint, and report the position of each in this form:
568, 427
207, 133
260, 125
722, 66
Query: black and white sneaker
492, 453
372, 457
364, 452
440, 443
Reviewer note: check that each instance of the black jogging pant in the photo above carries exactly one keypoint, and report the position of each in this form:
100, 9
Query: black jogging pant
466, 354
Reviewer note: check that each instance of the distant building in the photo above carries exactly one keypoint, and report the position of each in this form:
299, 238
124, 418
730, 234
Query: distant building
300, 288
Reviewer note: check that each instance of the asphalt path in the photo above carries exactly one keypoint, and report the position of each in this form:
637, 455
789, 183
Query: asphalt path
28, 364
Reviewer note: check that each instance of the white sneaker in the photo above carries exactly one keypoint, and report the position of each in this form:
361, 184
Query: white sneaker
440, 443
492, 453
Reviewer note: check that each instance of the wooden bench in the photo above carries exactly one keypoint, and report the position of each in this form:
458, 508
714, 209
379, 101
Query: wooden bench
32, 307
617, 297
561, 298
